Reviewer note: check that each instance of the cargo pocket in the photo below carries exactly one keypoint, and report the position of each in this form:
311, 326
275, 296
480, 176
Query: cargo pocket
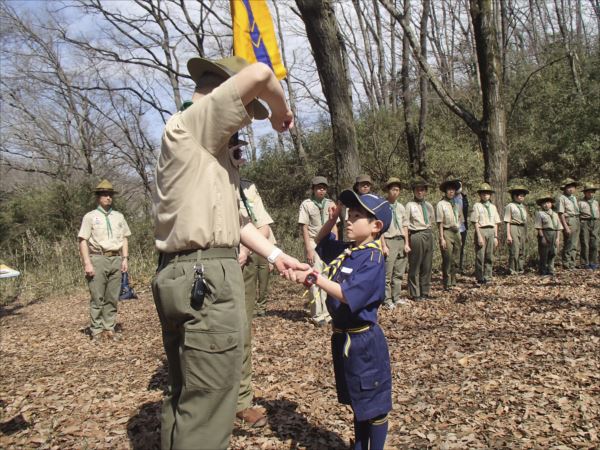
369, 382
212, 360
174, 294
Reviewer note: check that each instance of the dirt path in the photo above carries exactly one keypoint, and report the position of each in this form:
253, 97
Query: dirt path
515, 364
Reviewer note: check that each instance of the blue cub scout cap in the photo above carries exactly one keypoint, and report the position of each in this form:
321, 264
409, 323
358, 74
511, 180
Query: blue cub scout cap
376, 205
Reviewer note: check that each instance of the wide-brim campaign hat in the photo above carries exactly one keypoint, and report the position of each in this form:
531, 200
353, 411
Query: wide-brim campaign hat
363, 178
450, 182
419, 182
391, 181
319, 180
545, 198
518, 188
105, 186
569, 182
485, 187
225, 68
374, 204
590, 187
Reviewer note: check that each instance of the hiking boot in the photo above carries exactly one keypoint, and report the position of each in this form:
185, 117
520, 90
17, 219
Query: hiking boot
252, 417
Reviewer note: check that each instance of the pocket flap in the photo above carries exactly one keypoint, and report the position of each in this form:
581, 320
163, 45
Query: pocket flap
210, 341
369, 382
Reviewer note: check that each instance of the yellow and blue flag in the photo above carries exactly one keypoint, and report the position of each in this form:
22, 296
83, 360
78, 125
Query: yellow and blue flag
254, 34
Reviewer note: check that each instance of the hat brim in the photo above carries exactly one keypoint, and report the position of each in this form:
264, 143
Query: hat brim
517, 191
574, 183
112, 191
539, 201
198, 66
396, 183
450, 183
491, 191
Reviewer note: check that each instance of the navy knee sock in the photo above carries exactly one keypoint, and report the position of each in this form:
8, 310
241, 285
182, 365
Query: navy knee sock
361, 434
378, 432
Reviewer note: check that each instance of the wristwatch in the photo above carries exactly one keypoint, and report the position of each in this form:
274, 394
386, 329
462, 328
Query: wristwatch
311, 279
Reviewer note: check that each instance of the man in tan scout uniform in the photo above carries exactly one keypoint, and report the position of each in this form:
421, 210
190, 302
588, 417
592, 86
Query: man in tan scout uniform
486, 219
104, 253
199, 288
515, 217
568, 211
420, 217
252, 209
449, 217
589, 216
395, 246
313, 214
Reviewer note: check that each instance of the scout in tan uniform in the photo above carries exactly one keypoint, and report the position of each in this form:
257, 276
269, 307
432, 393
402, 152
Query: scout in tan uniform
363, 184
312, 216
486, 219
104, 252
252, 209
395, 246
548, 226
568, 211
421, 218
449, 217
515, 217
199, 288
589, 216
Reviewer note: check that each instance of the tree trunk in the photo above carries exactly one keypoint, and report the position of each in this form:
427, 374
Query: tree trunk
322, 32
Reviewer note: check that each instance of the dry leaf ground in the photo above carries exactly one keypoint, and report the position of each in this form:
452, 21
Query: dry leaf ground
512, 365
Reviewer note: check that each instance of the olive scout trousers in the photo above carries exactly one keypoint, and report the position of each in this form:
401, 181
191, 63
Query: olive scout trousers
571, 244
419, 263
484, 255
395, 266
318, 297
589, 237
547, 252
516, 251
104, 291
451, 257
204, 346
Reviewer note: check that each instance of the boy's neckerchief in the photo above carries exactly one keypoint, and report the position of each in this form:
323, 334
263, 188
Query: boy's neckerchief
573, 201
521, 211
486, 204
106, 213
247, 205
590, 203
335, 265
395, 215
424, 210
550, 214
452, 202
321, 207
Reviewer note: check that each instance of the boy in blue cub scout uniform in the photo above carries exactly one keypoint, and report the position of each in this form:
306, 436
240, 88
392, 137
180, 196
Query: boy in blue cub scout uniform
355, 284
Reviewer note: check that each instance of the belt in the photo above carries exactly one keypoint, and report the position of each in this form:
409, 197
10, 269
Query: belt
587, 218
518, 224
348, 332
451, 229
108, 253
395, 237
200, 254
418, 231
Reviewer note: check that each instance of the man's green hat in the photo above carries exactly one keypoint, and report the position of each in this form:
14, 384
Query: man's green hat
590, 187
393, 180
450, 182
319, 180
225, 68
543, 198
105, 186
518, 188
485, 187
569, 182
418, 182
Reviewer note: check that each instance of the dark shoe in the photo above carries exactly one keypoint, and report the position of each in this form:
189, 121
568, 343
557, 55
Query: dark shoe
252, 417
318, 323
417, 299
429, 296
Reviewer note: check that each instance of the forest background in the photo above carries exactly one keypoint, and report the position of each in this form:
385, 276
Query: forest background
506, 91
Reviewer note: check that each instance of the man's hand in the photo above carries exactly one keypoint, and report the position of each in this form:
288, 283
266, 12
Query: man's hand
285, 262
282, 121
243, 256
443, 244
568, 230
89, 270
124, 265
299, 276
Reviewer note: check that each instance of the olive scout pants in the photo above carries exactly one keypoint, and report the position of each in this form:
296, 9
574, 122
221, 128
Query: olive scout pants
589, 237
259, 268
451, 257
104, 291
252, 273
516, 251
547, 252
318, 306
571, 244
419, 263
204, 346
395, 266
484, 255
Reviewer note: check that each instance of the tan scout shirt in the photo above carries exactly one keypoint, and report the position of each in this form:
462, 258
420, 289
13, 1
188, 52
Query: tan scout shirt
547, 220
450, 217
484, 218
196, 181
415, 217
568, 206
399, 221
100, 238
311, 215
254, 209
515, 214
589, 209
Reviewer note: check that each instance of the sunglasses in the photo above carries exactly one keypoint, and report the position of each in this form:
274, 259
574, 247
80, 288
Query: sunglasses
233, 142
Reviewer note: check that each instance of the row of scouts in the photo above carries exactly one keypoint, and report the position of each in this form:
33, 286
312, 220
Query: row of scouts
410, 238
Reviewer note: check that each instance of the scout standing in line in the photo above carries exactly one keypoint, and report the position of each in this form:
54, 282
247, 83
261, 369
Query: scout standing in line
199, 288
449, 217
548, 228
462, 200
355, 284
568, 211
515, 217
395, 246
104, 252
420, 217
363, 184
590, 227
486, 219
313, 214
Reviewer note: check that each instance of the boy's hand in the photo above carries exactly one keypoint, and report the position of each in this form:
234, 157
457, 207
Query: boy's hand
386, 250
310, 256
285, 262
89, 270
443, 244
509, 240
568, 230
334, 211
299, 276
406, 248
282, 121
